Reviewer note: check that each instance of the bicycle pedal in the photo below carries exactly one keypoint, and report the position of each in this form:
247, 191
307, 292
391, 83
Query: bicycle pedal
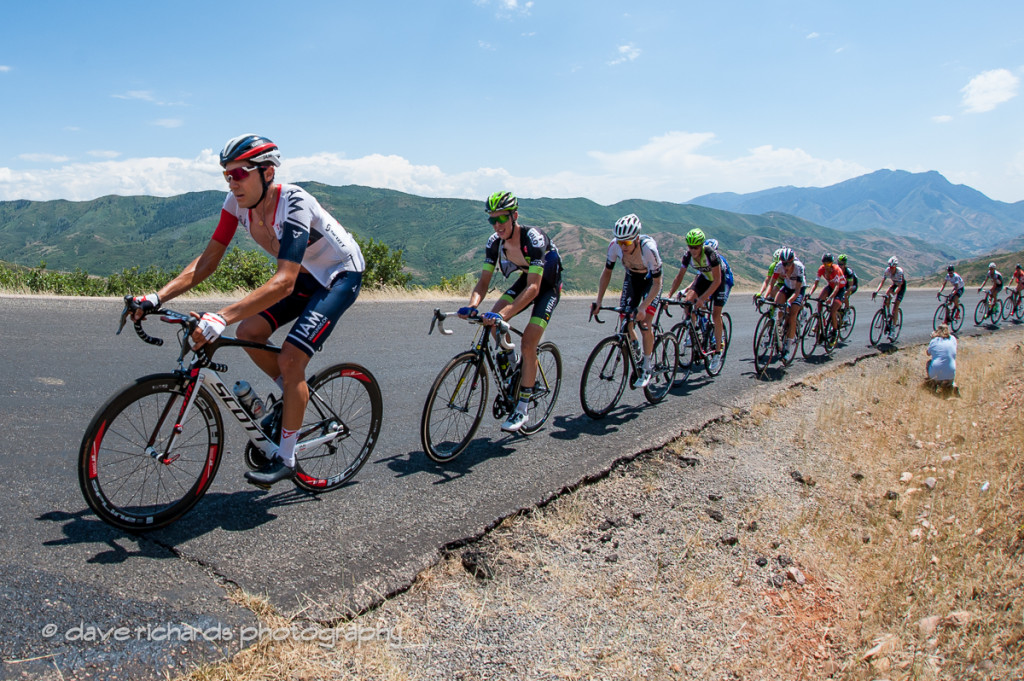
259, 485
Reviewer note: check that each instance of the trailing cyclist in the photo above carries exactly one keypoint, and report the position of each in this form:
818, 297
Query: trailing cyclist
997, 284
957, 283
319, 272
832, 294
852, 284
1018, 278
642, 283
792, 292
526, 250
709, 284
895, 292
769, 287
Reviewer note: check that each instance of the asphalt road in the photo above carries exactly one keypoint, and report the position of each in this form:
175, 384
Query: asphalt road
84, 598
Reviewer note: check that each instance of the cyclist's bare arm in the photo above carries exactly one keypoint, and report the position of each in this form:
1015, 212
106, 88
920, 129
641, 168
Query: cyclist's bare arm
602, 284
677, 281
480, 290
194, 274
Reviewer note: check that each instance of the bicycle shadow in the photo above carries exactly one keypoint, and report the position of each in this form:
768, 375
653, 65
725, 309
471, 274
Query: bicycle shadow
479, 450
229, 511
580, 424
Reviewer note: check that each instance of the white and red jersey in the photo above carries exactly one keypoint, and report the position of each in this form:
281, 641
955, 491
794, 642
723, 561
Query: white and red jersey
895, 274
833, 275
307, 234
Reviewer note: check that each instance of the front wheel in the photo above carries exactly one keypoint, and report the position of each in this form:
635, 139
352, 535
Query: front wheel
1007, 309
127, 475
848, 322
877, 327
812, 336
980, 312
765, 347
344, 400
663, 368
545, 390
454, 407
604, 378
940, 316
894, 332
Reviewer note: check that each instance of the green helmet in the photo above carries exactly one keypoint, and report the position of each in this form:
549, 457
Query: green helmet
694, 237
841, 259
502, 201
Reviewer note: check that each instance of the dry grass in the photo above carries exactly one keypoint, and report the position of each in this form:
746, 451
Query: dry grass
913, 582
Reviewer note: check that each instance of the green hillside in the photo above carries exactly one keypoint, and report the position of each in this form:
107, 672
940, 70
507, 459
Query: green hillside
438, 237
974, 271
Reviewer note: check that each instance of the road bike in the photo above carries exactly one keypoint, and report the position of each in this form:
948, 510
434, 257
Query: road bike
769, 340
819, 331
618, 359
985, 311
456, 401
152, 451
695, 338
947, 313
882, 323
1013, 305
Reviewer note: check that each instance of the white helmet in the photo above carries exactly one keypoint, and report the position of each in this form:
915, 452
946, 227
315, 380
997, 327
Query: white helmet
627, 227
991, 265
713, 243
778, 252
893, 262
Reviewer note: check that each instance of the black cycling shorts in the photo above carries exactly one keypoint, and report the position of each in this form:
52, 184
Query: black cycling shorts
316, 309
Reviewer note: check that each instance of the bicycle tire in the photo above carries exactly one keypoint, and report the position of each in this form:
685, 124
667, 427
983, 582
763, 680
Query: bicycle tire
812, 335
877, 327
831, 339
545, 390
344, 399
997, 311
122, 480
958, 317
726, 338
894, 332
604, 378
765, 347
1018, 311
684, 352
447, 428
941, 313
980, 312
849, 321
1007, 308
664, 357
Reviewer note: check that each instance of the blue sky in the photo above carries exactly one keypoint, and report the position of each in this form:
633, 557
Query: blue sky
609, 100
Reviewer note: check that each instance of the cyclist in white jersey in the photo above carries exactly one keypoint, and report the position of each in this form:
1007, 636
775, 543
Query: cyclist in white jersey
956, 281
996, 277
642, 285
792, 291
896, 290
319, 273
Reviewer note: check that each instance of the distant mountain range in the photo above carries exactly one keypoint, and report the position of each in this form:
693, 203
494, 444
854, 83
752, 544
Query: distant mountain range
445, 237
438, 237
922, 205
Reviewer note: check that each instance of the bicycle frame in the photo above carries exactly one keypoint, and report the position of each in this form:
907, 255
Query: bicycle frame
623, 335
481, 345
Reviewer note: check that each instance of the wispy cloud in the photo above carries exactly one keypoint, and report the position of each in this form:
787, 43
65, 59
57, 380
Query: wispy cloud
942, 119
145, 96
169, 122
628, 52
812, 35
507, 8
104, 153
484, 45
4, 68
989, 89
44, 158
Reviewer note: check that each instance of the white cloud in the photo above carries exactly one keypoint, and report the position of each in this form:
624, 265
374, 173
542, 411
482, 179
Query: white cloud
812, 35
989, 89
103, 153
44, 158
507, 8
484, 45
942, 119
4, 68
673, 167
144, 95
627, 52
169, 122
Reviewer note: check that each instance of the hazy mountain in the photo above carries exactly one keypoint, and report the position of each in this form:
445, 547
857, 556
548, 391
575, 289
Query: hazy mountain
439, 237
922, 205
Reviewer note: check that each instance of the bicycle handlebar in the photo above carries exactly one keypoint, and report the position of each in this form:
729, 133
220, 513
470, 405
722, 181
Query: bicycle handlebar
594, 310
504, 328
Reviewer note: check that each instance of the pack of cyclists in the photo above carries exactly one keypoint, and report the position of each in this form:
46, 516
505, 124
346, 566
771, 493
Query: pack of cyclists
320, 268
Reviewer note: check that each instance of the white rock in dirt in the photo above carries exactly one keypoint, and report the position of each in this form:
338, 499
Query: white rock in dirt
926, 626
930, 483
958, 618
906, 477
795, 575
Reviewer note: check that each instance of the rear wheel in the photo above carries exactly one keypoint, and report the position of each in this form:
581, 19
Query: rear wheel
726, 338
663, 368
454, 407
545, 390
894, 332
604, 378
849, 319
344, 400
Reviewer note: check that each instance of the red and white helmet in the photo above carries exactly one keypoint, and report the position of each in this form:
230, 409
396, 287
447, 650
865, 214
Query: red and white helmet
249, 147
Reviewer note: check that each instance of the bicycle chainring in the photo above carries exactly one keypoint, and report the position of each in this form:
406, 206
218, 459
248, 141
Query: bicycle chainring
500, 409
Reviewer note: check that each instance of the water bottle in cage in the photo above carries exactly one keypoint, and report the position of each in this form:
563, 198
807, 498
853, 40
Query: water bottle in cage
506, 361
248, 398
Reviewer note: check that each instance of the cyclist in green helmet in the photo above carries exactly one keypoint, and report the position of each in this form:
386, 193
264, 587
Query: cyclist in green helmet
708, 285
526, 250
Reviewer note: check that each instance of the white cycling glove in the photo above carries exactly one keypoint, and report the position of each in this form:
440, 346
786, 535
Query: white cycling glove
148, 302
211, 326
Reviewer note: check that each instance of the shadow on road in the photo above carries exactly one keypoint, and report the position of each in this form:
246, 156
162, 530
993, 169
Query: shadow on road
232, 512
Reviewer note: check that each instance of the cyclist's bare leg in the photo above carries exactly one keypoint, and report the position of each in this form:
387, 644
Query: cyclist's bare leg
646, 333
292, 363
836, 304
531, 339
716, 317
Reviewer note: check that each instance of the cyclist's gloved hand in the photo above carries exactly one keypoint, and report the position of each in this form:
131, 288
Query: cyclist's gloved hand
211, 326
679, 296
492, 317
467, 312
146, 303
873, 295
